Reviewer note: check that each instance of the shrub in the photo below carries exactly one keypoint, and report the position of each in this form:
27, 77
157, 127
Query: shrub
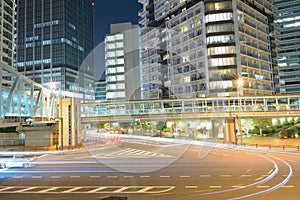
298, 121
285, 123
279, 126
254, 131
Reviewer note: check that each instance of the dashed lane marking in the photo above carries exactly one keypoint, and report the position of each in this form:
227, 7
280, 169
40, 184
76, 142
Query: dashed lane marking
185, 176
55, 177
164, 176
205, 176
287, 186
191, 187
144, 176
225, 175
74, 176
215, 186
36, 177
263, 186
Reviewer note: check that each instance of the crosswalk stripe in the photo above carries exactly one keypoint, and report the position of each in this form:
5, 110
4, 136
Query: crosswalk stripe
72, 190
97, 189
6, 188
48, 190
129, 152
26, 189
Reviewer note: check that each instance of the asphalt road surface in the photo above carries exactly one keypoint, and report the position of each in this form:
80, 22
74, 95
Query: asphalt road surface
151, 169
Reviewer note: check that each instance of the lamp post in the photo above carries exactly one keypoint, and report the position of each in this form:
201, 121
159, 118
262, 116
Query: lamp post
239, 84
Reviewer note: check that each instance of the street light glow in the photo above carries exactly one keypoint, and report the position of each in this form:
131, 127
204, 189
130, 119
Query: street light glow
240, 82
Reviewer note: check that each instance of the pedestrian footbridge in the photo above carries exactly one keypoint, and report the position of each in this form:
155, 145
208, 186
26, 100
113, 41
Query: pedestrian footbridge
22, 98
198, 108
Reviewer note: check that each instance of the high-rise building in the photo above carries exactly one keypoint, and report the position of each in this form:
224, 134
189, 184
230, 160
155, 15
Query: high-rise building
194, 48
122, 62
7, 28
54, 38
100, 89
288, 44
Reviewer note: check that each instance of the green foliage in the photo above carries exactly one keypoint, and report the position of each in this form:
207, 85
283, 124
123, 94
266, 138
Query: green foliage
286, 122
8, 130
279, 125
298, 121
161, 125
261, 123
254, 131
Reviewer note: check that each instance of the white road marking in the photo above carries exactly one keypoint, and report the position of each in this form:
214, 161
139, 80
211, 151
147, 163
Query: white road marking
292, 161
112, 176
287, 186
72, 190
246, 176
185, 176
145, 189
215, 186
26, 189
238, 186
164, 176
55, 176
87, 189
191, 187
205, 176
97, 189
18, 177
36, 177
263, 186
121, 189
7, 188
225, 175
48, 190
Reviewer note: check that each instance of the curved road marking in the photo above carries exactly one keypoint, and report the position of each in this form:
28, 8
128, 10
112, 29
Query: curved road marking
273, 188
249, 185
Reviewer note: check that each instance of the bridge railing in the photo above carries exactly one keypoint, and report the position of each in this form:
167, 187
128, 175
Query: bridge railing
199, 105
20, 97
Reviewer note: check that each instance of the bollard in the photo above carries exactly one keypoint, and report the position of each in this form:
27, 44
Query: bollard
269, 147
298, 148
283, 147
256, 145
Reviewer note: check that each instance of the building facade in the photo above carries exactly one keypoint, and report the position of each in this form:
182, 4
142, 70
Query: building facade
288, 44
7, 20
54, 39
100, 89
122, 62
194, 48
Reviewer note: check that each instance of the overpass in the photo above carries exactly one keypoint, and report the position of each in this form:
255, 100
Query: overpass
198, 108
21, 98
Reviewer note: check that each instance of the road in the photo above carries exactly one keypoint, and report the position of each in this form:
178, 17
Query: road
152, 169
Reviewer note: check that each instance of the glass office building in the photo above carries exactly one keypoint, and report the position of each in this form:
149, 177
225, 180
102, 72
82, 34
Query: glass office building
288, 40
7, 24
194, 48
54, 38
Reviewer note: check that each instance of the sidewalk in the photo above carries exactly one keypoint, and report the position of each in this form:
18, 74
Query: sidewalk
271, 142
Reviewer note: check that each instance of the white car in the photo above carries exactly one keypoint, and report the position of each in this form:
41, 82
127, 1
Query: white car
7, 161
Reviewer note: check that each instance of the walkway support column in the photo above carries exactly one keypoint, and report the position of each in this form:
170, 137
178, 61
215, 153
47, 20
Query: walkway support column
230, 132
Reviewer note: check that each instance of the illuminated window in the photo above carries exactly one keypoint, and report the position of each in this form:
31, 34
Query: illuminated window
221, 61
221, 50
218, 17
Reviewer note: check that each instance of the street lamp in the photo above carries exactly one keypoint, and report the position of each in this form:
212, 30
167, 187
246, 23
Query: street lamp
240, 83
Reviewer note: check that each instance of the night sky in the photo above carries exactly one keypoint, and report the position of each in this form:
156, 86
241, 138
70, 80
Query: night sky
108, 12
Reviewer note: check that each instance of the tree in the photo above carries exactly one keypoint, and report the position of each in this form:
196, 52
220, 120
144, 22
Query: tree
261, 123
160, 126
